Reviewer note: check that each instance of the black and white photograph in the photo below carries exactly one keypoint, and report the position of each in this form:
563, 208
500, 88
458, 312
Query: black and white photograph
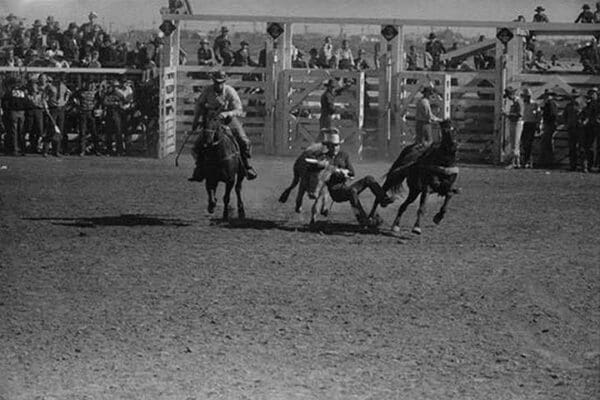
299, 200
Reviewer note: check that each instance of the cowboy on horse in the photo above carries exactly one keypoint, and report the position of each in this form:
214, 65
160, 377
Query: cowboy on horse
220, 101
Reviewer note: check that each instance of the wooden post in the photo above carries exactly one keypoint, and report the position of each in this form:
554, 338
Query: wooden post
396, 121
385, 89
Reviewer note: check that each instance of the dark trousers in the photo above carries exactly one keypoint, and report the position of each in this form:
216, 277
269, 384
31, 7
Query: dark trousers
240, 135
114, 128
342, 192
34, 121
589, 136
15, 127
547, 144
575, 144
87, 122
527, 138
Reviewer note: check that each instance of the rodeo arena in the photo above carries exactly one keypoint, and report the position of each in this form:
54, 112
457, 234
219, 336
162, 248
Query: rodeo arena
301, 206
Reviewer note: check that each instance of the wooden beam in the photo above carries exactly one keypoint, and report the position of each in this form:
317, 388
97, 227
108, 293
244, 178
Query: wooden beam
552, 27
54, 70
469, 50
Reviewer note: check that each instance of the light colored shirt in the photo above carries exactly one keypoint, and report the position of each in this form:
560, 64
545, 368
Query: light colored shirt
424, 113
228, 102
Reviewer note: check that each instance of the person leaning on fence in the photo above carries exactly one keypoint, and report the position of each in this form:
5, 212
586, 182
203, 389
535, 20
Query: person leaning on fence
531, 122
87, 101
220, 44
514, 123
586, 16
343, 56
223, 101
549, 125
597, 13
539, 15
572, 117
328, 108
591, 126
14, 103
326, 59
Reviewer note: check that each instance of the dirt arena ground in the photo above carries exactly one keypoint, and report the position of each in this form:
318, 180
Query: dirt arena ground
115, 283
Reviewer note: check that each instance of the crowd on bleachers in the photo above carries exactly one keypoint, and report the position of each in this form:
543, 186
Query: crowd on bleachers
85, 45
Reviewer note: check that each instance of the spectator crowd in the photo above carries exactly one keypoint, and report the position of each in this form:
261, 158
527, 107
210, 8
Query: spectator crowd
85, 45
40, 114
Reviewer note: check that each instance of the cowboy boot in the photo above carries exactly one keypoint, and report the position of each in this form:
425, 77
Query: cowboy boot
245, 155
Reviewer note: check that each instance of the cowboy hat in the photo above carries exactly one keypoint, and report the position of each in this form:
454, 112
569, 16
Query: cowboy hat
331, 83
219, 76
333, 137
574, 93
224, 29
92, 15
586, 7
37, 22
540, 8
244, 43
205, 41
11, 17
427, 90
526, 92
432, 35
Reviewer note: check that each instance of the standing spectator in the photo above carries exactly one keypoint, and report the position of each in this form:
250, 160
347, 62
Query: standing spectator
597, 13
87, 101
35, 113
221, 42
436, 49
424, 117
360, 63
539, 15
36, 37
343, 56
412, 59
572, 117
514, 117
549, 120
586, 16
326, 53
205, 53
113, 102
94, 61
90, 29
591, 122
71, 44
531, 120
58, 95
14, 103
328, 104
242, 56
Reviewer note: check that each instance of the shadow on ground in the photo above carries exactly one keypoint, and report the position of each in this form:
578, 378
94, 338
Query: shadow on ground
118, 220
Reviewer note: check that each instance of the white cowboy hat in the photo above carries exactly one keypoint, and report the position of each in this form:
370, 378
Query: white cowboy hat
332, 137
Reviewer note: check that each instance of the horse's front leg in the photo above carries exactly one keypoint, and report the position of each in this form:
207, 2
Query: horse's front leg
412, 196
420, 212
226, 198
437, 218
240, 202
211, 192
286, 193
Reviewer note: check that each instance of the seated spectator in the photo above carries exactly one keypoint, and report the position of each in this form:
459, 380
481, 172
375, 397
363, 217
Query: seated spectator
298, 61
10, 60
227, 55
360, 63
412, 59
242, 56
220, 43
326, 59
597, 13
70, 45
313, 61
95, 60
205, 53
539, 15
586, 16
343, 56
53, 51
90, 29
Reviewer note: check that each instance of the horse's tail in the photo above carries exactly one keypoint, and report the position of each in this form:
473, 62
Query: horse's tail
394, 179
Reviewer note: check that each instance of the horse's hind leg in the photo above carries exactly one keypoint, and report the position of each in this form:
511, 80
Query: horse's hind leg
212, 201
240, 202
226, 198
286, 193
420, 212
412, 196
437, 218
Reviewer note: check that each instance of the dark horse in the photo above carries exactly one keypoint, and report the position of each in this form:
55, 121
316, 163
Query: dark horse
222, 163
428, 170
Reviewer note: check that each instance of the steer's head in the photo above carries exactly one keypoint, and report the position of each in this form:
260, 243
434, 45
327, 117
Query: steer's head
317, 175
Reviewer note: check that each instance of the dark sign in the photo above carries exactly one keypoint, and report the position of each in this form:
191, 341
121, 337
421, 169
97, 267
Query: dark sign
504, 35
389, 32
274, 29
167, 28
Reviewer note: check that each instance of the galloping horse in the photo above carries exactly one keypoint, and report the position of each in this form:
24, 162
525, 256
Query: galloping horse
222, 163
434, 171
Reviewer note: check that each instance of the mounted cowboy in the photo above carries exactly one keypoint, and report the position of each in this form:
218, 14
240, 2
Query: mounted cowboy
221, 101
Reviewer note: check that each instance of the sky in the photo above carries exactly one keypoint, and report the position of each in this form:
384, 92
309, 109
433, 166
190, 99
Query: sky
144, 14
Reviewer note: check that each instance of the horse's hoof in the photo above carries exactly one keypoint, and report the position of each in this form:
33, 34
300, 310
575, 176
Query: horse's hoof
241, 214
416, 230
298, 210
437, 218
283, 198
324, 213
396, 228
211, 208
